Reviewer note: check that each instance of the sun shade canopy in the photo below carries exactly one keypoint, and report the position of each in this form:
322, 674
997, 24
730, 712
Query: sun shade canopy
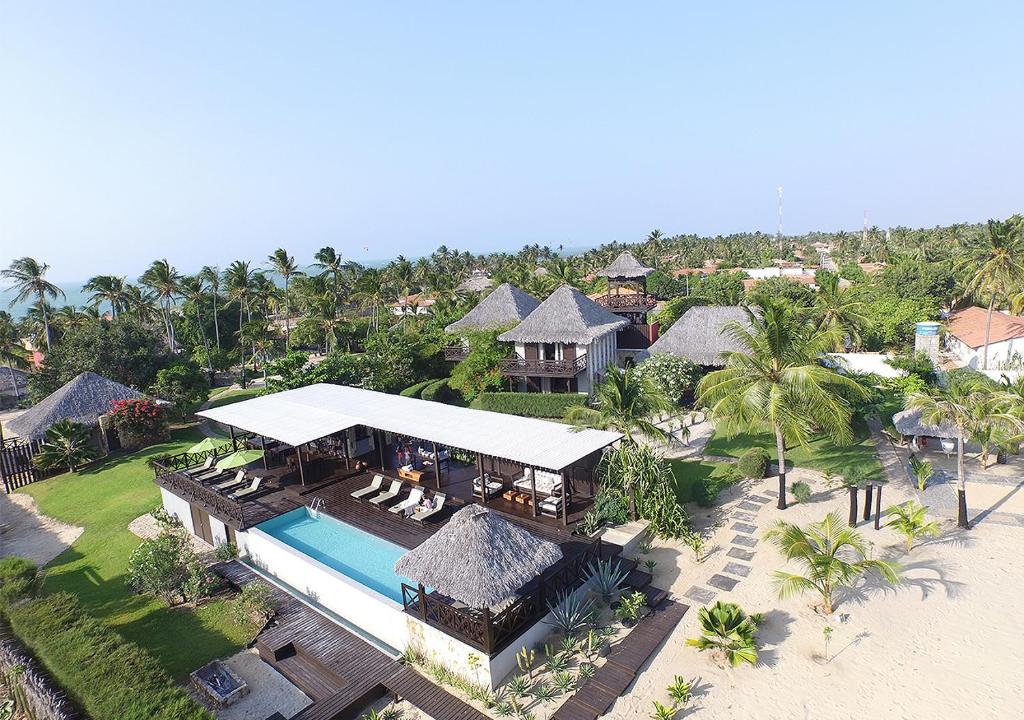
305, 414
478, 558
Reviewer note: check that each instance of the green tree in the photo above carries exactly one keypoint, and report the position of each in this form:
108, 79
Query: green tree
107, 288
12, 352
837, 310
67, 444
480, 371
193, 291
284, 265
776, 383
163, 280
28, 278
833, 556
183, 385
239, 280
720, 288
626, 401
729, 632
909, 520
211, 276
674, 376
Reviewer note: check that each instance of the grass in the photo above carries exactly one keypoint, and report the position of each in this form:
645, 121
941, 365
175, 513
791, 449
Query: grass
699, 481
820, 454
103, 499
232, 396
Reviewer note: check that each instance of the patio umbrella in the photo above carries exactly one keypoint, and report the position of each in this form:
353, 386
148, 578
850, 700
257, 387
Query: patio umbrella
207, 444
239, 458
478, 558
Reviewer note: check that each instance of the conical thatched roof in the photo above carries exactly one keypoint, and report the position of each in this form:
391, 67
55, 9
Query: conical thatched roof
698, 337
506, 305
477, 282
908, 422
625, 266
566, 316
20, 380
478, 558
82, 400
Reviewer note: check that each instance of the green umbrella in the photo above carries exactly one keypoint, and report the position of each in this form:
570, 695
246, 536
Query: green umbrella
208, 444
239, 458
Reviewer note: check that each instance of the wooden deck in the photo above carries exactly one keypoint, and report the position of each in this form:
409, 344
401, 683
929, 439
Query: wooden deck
338, 670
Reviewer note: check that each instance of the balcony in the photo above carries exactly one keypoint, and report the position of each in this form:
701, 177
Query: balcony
455, 353
521, 367
629, 302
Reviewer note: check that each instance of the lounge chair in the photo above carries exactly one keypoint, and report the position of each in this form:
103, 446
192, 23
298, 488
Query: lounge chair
550, 506
392, 492
238, 479
410, 502
373, 487
200, 469
547, 483
494, 487
421, 515
244, 492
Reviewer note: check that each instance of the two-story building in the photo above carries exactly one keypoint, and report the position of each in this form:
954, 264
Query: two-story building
504, 307
627, 297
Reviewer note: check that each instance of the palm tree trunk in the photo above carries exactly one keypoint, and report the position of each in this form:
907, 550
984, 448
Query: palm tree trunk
216, 326
780, 446
206, 345
961, 486
46, 319
988, 331
241, 345
14, 383
287, 319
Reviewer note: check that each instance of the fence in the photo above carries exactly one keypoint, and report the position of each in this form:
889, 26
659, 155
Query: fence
16, 468
34, 692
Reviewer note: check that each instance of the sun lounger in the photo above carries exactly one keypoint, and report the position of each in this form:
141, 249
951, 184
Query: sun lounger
239, 494
421, 515
392, 492
550, 506
410, 502
373, 487
238, 479
200, 469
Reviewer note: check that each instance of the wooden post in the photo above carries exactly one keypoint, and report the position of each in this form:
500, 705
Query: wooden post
437, 466
488, 633
878, 507
565, 499
344, 441
234, 442
423, 601
302, 473
867, 501
379, 436
480, 474
533, 489
263, 446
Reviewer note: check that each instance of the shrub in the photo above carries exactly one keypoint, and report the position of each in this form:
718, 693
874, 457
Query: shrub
753, 463
226, 551
67, 445
729, 632
570, 613
672, 375
630, 607
139, 422
542, 405
106, 676
439, 391
184, 385
415, 390
168, 567
638, 470
255, 604
801, 491
17, 579
606, 578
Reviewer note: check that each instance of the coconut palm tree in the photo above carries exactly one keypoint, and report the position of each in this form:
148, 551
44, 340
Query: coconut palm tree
12, 353
777, 384
833, 556
284, 265
107, 288
28, 278
838, 310
909, 520
193, 291
626, 401
729, 632
995, 268
330, 263
966, 404
374, 291
211, 276
163, 280
238, 280
140, 302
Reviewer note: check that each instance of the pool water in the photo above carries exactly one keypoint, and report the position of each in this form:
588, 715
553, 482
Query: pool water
357, 554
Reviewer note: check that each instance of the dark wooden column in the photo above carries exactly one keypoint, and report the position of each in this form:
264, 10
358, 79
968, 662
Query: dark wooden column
344, 444
533, 489
379, 437
488, 630
480, 473
565, 499
422, 591
302, 473
234, 442
437, 466
263, 446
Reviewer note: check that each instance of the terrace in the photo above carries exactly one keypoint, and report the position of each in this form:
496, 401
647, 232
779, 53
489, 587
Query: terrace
526, 367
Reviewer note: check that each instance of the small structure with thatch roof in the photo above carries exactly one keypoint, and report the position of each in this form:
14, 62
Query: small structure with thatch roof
564, 345
701, 334
627, 296
909, 424
504, 307
83, 400
13, 386
478, 281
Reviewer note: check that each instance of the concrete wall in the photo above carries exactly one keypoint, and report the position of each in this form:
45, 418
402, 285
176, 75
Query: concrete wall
179, 508
998, 352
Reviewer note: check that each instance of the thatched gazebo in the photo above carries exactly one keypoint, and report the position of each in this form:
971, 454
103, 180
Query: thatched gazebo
908, 422
82, 400
505, 305
478, 559
699, 335
625, 267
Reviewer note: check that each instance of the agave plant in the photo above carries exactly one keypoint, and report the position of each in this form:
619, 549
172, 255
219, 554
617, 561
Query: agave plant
563, 681
909, 521
571, 613
606, 578
729, 631
519, 686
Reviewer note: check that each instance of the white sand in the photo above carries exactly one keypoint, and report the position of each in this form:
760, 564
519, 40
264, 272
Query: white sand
26, 533
946, 644
269, 690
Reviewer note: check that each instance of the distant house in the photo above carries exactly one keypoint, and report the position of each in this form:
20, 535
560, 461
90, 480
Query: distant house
504, 307
700, 335
477, 282
414, 304
965, 337
788, 271
13, 386
564, 345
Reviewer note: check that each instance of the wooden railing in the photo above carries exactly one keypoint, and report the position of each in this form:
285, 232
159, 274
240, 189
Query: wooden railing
628, 300
556, 368
192, 491
456, 352
493, 633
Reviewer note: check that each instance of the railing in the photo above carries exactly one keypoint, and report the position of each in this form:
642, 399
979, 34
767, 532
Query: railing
193, 491
493, 633
456, 352
557, 368
628, 300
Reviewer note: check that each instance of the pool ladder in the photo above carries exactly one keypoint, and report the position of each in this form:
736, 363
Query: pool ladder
315, 507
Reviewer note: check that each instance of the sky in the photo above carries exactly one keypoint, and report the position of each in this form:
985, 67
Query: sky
208, 132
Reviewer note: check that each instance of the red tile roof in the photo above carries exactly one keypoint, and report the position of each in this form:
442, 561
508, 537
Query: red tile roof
968, 326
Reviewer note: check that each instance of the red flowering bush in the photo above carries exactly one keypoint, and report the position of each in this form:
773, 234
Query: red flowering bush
139, 422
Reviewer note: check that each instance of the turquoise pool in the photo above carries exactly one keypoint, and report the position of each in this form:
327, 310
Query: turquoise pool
357, 554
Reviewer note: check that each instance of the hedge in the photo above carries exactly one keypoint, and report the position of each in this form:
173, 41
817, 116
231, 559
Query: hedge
753, 463
542, 405
107, 676
417, 389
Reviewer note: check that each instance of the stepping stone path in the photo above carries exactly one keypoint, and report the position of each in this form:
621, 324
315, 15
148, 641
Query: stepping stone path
722, 582
701, 595
740, 554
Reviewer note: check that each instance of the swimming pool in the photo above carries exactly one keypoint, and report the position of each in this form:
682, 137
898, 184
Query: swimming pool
357, 554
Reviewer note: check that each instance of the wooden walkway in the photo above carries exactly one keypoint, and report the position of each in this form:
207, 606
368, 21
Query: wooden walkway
595, 696
337, 669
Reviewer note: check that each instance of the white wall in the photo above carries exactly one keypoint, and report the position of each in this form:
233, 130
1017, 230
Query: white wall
179, 508
997, 352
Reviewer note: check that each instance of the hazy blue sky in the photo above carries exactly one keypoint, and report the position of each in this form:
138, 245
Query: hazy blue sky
210, 131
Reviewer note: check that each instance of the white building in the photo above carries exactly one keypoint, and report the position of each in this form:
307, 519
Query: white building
965, 338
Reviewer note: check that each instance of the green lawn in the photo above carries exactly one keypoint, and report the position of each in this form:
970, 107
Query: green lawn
699, 481
232, 396
103, 499
820, 454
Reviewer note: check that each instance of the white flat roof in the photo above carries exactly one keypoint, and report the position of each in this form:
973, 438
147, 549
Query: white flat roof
305, 414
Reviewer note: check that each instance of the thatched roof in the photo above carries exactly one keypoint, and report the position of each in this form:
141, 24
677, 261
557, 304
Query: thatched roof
625, 266
82, 400
506, 305
908, 422
7, 385
566, 316
478, 558
698, 336
477, 282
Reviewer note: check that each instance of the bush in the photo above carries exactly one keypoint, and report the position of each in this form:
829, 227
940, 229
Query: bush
139, 422
417, 389
675, 308
184, 385
801, 491
753, 463
226, 551
435, 390
714, 484
671, 374
254, 604
168, 567
17, 579
107, 676
541, 405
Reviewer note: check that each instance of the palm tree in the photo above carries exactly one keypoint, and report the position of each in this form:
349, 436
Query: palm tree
626, 401
729, 632
12, 353
776, 383
995, 267
833, 556
67, 443
163, 279
107, 288
238, 279
374, 291
140, 302
192, 290
838, 310
966, 405
284, 265
211, 276
330, 263
28, 277
909, 520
